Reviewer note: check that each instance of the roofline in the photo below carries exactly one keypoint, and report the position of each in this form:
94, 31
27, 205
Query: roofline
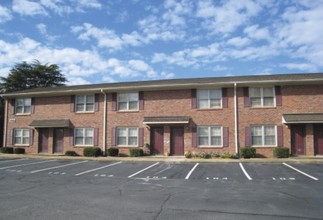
156, 86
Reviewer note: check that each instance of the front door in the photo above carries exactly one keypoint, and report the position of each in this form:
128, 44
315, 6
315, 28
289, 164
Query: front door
58, 144
43, 140
318, 139
177, 141
157, 140
298, 139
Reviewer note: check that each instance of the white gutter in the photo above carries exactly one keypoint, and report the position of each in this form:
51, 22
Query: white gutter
104, 122
236, 119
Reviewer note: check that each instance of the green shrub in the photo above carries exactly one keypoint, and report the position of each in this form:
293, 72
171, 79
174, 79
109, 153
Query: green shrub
136, 152
205, 155
228, 156
92, 152
71, 153
113, 152
19, 150
188, 154
247, 152
281, 152
6, 150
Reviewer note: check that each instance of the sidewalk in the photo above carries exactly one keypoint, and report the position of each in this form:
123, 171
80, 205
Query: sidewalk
173, 159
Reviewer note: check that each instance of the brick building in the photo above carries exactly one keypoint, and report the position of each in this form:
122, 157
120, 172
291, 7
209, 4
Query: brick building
170, 117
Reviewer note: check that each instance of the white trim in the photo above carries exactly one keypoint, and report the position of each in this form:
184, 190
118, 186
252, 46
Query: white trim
127, 137
85, 103
83, 145
104, 121
128, 101
236, 135
262, 96
209, 98
166, 122
263, 135
209, 137
5, 126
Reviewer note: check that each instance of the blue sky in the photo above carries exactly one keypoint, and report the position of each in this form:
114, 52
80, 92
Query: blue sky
97, 41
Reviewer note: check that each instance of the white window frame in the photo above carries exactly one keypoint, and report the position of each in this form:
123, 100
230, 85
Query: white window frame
83, 137
127, 101
208, 98
263, 136
85, 103
209, 136
24, 106
127, 137
262, 97
22, 136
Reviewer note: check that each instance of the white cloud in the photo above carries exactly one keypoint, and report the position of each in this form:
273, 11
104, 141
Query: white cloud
29, 8
5, 14
57, 6
77, 81
306, 67
226, 18
82, 4
42, 28
254, 32
239, 41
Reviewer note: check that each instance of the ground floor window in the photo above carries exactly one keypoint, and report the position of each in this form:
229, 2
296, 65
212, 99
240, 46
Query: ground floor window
21, 136
84, 136
127, 136
210, 136
263, 135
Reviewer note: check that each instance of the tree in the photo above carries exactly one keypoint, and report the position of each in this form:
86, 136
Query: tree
29, 76
32, 75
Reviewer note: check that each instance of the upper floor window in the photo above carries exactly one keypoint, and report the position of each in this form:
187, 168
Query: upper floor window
263, 135
21, 136
209, 98
210, 136
23, 106
84, 136
262, 96
85, 103
128, 101
127, 136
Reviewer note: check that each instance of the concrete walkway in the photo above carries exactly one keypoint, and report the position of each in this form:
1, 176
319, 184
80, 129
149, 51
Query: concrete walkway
179, 159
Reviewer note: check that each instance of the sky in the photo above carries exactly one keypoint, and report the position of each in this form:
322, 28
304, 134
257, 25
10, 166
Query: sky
102, 41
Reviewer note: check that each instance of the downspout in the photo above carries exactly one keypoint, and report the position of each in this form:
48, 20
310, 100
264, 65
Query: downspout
236, 134
104, 132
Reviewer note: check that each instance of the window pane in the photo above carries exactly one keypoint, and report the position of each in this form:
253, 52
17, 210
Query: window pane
133, 96
122, 141
133, 105
79, 107
89, 132
215, 103
132, 141
268, 92
133, 132
215, 94
256, 131
18, 140
256, 140
88, 141
122, 97
255, 92
202, 94
269, 130
80, 99
269, 101
122, 132
90, 99
122, 106
19, 102
89, 107
204, 141
25, 140
203, 103
255, 102
79, 141
27, 102
26, 133
79, 132
18, 133
27, 109
204, 131
270, 140
19, 109
217, 141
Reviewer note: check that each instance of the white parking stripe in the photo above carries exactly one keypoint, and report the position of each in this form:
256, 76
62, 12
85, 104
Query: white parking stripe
191, 171
305, 174
26, 164
99, 168
245, 172
51, 168
132, 175
13, 160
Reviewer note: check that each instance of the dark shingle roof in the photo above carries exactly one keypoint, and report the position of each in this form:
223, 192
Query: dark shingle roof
174, 83
52, 123
167, 120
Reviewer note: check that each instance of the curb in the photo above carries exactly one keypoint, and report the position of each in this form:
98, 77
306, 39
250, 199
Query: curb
175, 159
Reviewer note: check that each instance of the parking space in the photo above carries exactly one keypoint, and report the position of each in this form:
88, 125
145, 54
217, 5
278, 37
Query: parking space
165, 170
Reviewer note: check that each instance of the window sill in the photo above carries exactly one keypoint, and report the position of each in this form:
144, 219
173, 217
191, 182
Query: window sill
23, 114
128, 111
81, 146
127, 146
21, 145
209, 147
272, 107
259, 146
89, 112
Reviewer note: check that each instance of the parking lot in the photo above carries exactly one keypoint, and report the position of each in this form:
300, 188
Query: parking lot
85, 189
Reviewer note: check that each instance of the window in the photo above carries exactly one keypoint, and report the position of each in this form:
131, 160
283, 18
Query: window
263, 135
85, 103
84, 136
127, 136
21, 136
209, 98
23, 106
262, 97
128, 101
210, 136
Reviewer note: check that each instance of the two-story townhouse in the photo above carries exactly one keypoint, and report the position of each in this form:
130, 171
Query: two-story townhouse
215, 115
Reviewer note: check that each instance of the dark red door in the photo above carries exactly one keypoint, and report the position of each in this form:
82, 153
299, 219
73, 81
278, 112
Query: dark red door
157, 140
177, 141
58, 140
318, 138
298, 139
43, 140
